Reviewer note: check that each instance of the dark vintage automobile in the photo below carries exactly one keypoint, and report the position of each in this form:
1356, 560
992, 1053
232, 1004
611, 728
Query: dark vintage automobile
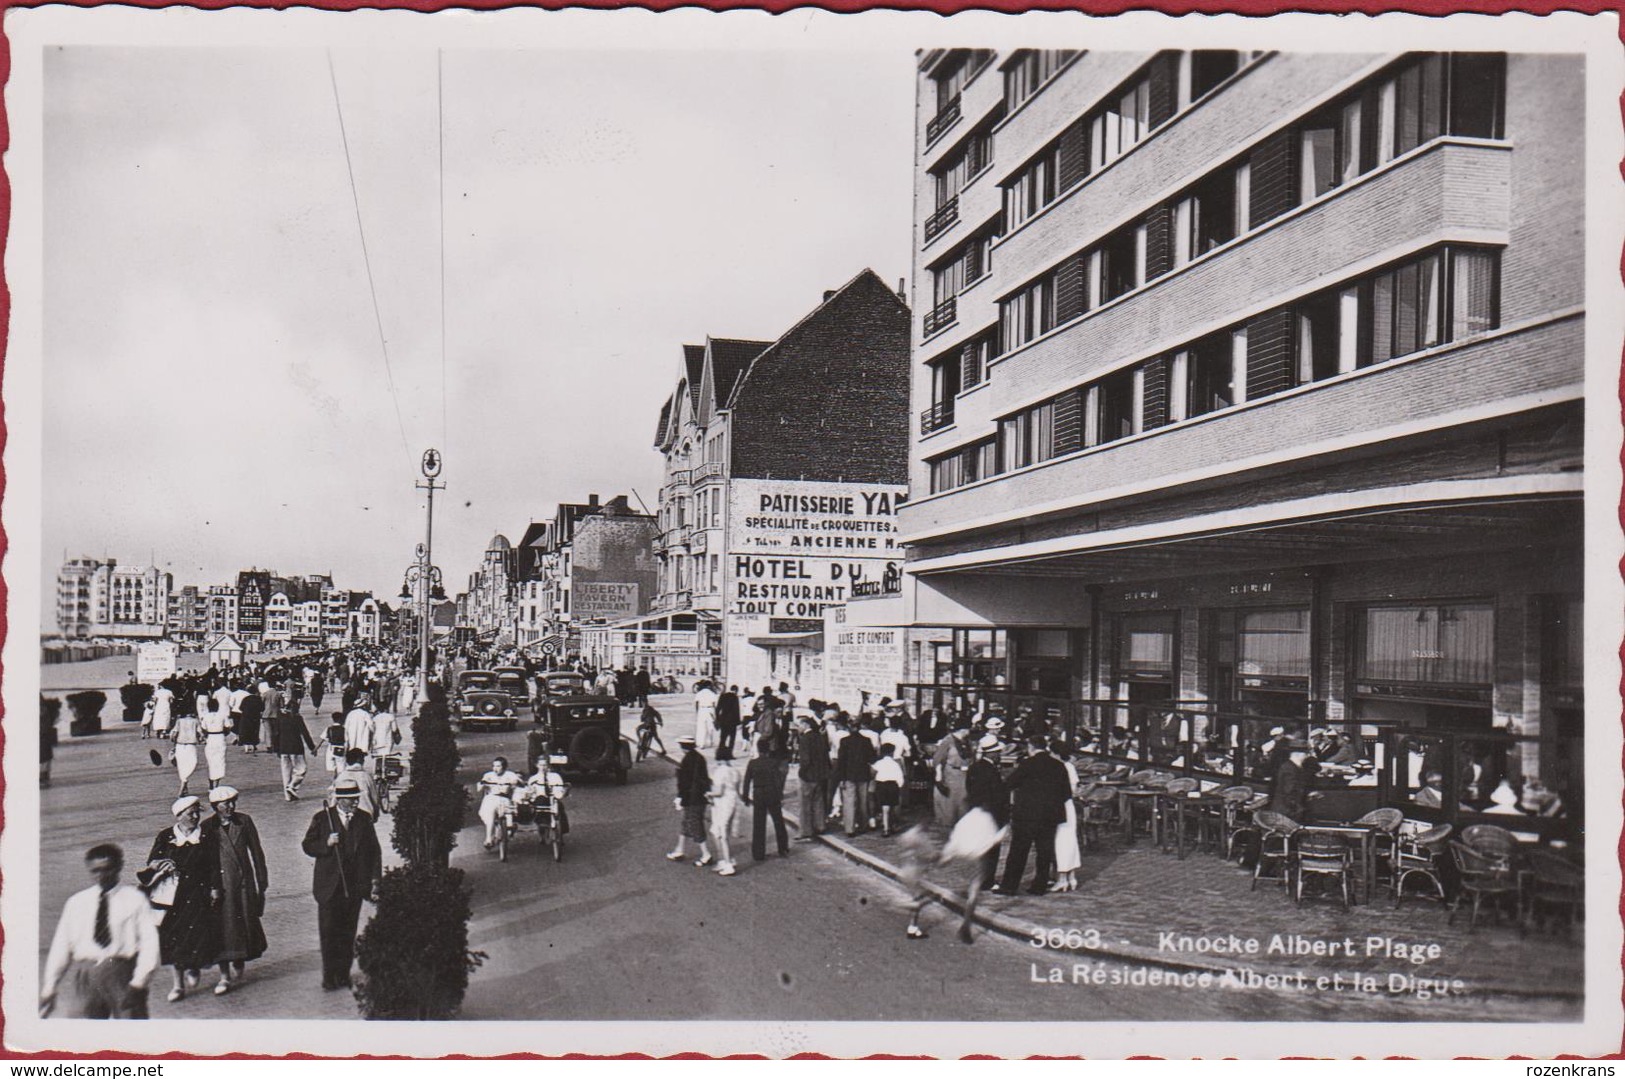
481, 700
555, 684
515, 682
585, 729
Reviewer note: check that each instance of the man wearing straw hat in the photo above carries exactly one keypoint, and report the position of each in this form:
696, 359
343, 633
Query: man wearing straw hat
348, 864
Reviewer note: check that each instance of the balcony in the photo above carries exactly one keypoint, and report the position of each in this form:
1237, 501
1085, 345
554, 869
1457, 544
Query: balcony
944, 218
706, 471
937, 417
945, 118
678, 477
676, 536
942, 316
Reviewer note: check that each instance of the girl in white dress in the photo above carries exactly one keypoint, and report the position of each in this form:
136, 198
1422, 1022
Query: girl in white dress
725, 780
1068, 857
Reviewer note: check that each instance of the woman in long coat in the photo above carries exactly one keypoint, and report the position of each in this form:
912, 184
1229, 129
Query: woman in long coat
950, 763
189, 935
242, 884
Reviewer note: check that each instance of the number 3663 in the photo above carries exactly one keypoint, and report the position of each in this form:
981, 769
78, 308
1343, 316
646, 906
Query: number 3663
1065, 939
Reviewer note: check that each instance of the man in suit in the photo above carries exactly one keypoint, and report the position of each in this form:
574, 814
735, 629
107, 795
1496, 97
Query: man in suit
728, 718
348, 864
1038, 794
1290, 796
985, 789
852, 763
814, 773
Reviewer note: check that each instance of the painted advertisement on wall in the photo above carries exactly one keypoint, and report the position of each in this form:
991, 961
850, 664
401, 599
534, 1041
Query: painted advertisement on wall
861, 659
795, 548
605, 601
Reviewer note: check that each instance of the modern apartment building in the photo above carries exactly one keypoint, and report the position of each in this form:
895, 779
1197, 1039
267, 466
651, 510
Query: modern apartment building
784, 466
1249, 390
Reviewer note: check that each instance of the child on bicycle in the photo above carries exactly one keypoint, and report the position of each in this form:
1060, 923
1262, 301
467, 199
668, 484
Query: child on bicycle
548, 785
498, 786
649, 731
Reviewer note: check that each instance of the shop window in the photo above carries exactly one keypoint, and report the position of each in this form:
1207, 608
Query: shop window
1273, 643
1449, 644
1146, 644
980, 656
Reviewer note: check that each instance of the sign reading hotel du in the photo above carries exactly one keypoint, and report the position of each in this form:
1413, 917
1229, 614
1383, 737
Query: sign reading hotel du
796, 546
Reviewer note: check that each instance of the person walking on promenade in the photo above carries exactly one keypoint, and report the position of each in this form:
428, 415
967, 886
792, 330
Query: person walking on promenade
248, 710
974, 837
355, 771
358, 725
814, 772
292, 739
1038, 795
318, 688
105, 947
163, 709
344, 844
641, 686
272, 705
244, 880
854, 759
725, 781
705, 715
693, 786
728, 717
214, 720
185, 732
182, 869
47, 745
888, 778
985, 790
763, 791
1068, 854
949, 761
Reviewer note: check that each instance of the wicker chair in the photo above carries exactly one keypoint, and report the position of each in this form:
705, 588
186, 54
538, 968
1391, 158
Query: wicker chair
1274, 845
1553, 883
1385, 842
1484, 876
1233, 814
1491, 840
1416, 855
1321, 855
1096, 812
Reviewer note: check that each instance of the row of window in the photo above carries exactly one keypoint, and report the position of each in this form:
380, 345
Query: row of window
1167, 85
1028, 69
1419, 100
1445, 295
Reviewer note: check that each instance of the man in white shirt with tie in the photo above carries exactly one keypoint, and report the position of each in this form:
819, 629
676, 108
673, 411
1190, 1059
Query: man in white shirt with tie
106, 946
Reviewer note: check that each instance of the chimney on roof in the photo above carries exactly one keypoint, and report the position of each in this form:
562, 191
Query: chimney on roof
592, 501
902, 289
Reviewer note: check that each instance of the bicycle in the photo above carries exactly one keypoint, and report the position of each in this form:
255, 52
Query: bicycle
388, 772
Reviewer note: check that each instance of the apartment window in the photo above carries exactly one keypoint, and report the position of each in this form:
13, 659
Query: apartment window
1330, 149
974, 357
975, 462
1319, 342
1055, 170
1211, 214
1210, 67
1209, 377
1028, 437
944, 387
1116, 407
1121, 263
1028, 70
1028, 313
1134, 110
962, 166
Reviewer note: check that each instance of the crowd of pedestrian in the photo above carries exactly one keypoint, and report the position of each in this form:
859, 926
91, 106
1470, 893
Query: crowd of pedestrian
198, 899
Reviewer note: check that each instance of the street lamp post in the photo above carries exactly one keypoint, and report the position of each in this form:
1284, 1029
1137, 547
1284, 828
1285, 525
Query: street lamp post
427, 573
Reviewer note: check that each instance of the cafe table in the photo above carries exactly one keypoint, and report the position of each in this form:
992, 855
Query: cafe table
1127, 796
1179, 807
1366, 834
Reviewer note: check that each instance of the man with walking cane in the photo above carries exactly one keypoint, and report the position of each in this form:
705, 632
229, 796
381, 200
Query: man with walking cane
348, 864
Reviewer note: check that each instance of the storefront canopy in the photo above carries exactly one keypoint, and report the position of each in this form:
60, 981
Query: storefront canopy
813, 640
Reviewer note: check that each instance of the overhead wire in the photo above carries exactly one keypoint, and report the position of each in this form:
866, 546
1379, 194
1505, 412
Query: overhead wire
366, 258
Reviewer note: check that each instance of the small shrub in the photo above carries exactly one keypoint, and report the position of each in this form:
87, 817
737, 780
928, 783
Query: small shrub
86, 707
414, 954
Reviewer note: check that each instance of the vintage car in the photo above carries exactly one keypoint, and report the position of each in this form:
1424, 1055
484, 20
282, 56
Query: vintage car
515, 681
481, 700
560, 684
585, 729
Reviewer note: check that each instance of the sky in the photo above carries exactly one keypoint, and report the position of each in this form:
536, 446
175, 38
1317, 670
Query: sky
216, 396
